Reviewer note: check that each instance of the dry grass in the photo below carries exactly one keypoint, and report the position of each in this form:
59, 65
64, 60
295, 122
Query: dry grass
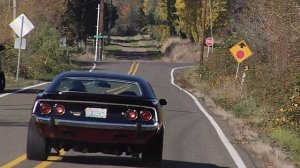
180, 50
245, 133
262, 96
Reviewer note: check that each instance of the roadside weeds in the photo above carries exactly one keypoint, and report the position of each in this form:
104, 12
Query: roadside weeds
246, 134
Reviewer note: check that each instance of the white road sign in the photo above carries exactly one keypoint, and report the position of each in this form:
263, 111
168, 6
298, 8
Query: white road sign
16, 25
17, 43
62, 42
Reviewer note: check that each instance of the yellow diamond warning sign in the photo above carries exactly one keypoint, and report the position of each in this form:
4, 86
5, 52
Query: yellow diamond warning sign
241, 51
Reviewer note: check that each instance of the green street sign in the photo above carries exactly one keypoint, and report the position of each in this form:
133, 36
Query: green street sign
101, 36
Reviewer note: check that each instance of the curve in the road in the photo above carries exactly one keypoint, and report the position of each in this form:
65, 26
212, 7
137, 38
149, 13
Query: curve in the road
233, 153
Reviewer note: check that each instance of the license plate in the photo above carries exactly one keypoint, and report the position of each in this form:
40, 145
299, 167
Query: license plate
96, 112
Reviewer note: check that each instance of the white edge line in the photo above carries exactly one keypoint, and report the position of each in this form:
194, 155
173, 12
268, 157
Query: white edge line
93, 67
41, 84
21, 90
233, 153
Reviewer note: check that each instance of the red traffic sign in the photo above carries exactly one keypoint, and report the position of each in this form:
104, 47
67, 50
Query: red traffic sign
209, 41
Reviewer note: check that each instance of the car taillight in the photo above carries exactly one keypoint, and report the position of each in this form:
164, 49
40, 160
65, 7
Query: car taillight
146, 115
45, 108
59, 109
132, 114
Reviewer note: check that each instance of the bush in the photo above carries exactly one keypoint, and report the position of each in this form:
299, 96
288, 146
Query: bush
10, 62
289, 115
44, 58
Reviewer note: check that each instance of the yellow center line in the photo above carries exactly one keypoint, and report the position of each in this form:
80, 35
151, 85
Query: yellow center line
131, 68
122, 90
15, 162
128, 86
50, 160
136, 68
132, 71
115, 89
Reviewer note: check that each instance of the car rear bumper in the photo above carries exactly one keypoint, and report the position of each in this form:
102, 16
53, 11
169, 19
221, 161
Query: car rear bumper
98, 125
95, 132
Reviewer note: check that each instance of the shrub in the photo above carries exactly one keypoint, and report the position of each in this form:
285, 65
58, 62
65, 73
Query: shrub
289, 115
44, 58
10, 62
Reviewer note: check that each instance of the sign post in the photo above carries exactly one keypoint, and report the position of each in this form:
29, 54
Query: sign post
62, 42
97, 32
19, 56
22, 26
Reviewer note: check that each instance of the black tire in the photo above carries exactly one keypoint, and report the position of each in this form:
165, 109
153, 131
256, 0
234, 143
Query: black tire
2, 82
37, 147
153, 151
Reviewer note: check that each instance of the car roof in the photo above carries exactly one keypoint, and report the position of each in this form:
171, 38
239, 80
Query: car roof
145, 86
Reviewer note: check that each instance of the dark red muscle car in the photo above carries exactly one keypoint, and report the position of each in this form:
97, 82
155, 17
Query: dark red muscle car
97, 112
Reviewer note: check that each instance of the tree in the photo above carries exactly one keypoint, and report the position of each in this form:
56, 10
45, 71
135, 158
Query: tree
190, 13
161, 17
80, 20
182, 17
131, 17
168, 15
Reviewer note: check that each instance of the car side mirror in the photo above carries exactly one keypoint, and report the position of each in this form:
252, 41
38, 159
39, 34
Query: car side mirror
163, 102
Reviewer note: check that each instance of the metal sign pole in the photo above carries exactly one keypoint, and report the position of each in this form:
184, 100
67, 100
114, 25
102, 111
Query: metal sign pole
97, 39
243, 80
211, 24
19, 57
101, 45
237, 71
208, 48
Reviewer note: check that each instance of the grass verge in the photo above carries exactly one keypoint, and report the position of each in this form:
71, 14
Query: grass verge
288, 141
258, 103
11, 82
112, 49
140, 46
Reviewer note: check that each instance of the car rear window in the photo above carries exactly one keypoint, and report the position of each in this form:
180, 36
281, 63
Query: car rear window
100, 86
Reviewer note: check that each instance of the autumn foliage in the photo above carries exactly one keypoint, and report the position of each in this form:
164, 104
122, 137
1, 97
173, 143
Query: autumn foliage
74, 20
289, 115
183, 17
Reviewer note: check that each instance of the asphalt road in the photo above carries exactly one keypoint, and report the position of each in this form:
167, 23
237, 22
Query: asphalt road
190, 139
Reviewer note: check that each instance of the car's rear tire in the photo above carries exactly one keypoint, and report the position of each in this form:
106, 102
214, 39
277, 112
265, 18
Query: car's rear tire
153, 151
2, 82
37, 146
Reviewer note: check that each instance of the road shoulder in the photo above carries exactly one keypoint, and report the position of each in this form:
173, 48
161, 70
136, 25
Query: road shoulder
245, 137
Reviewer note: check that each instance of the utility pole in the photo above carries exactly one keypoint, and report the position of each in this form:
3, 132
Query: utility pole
101, 44
14, 9
202, 38
110, 20
14, 13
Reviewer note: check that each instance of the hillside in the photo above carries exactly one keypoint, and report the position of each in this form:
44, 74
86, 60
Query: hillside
270, 100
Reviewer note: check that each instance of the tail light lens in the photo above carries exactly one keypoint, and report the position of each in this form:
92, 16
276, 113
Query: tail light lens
132, 115
146, 115
59, 109
45, 108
